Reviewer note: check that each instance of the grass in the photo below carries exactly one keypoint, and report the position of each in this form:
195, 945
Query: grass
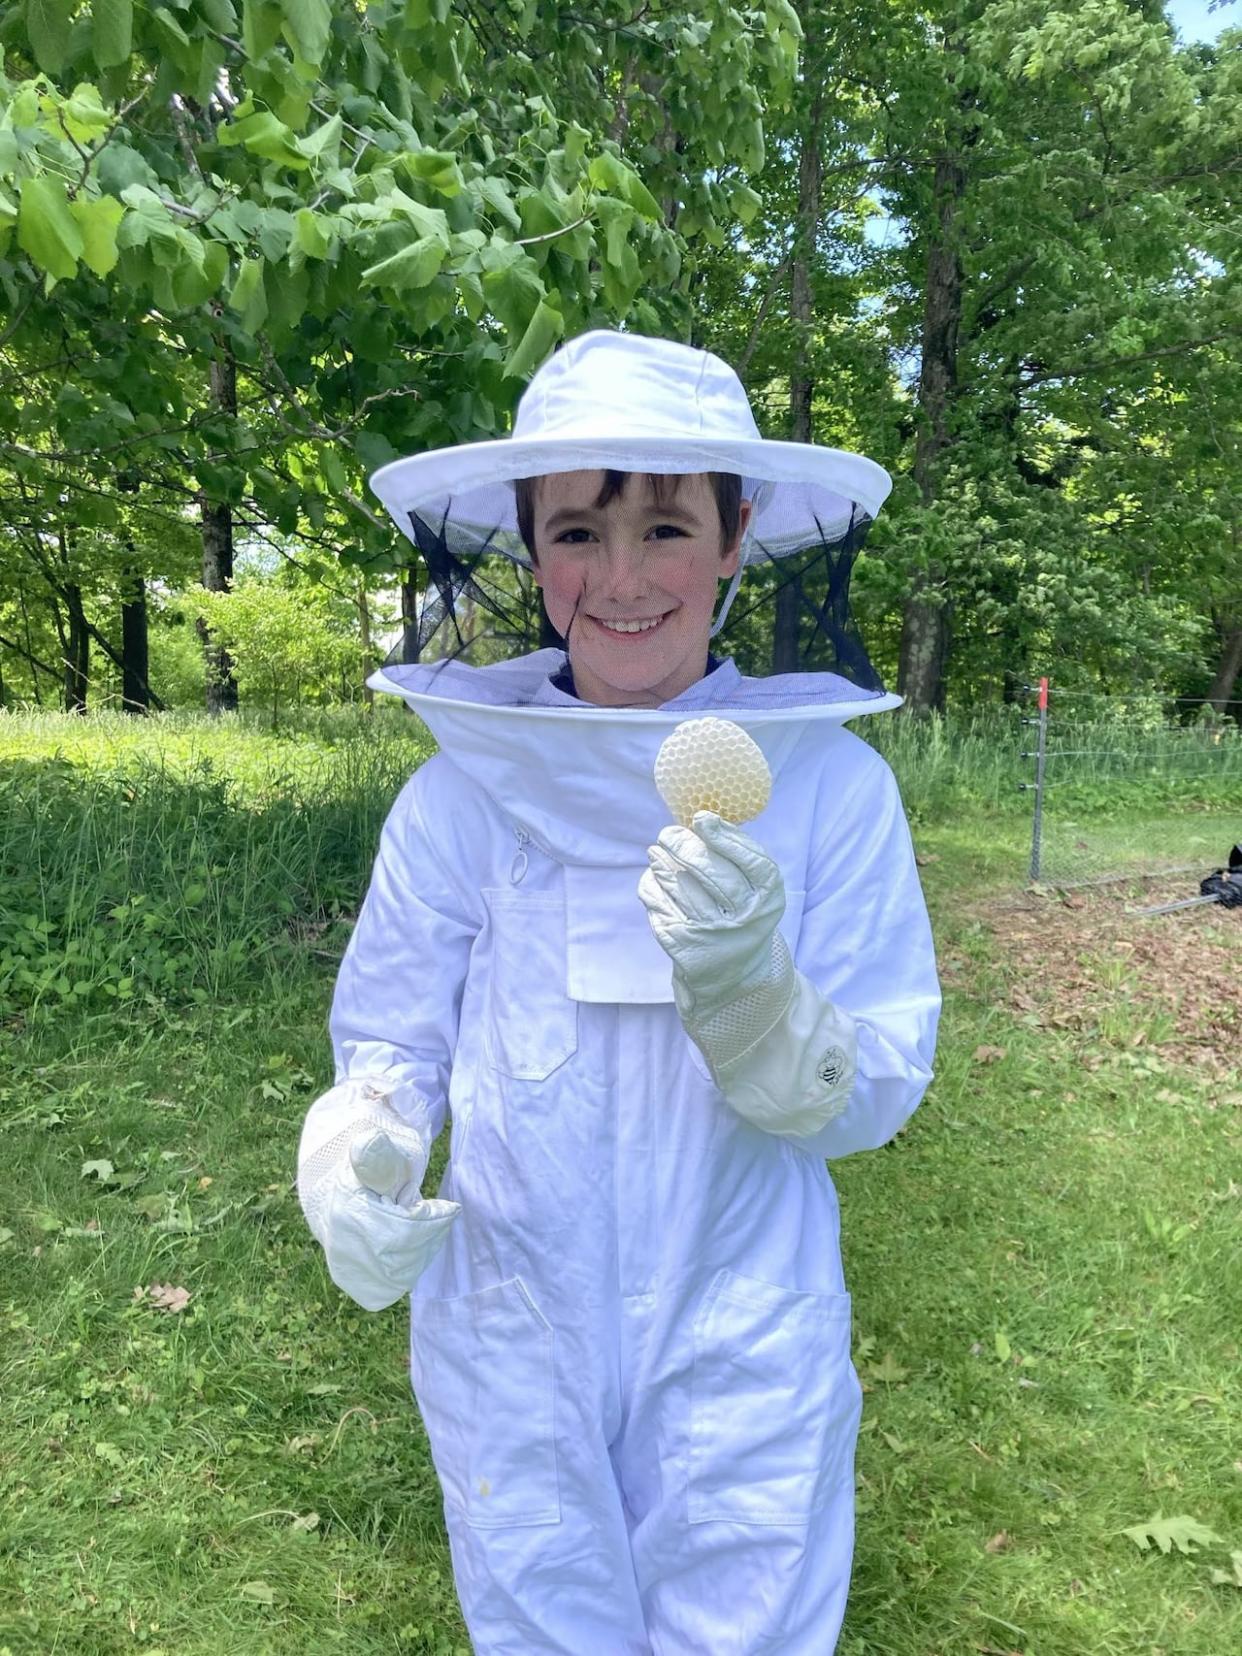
1044, 1265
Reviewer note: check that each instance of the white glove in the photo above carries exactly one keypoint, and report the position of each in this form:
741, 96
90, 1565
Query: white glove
360, 1166
714, 898
783, 1055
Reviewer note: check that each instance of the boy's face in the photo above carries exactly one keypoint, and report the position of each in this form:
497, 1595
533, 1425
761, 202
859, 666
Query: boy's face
603, 569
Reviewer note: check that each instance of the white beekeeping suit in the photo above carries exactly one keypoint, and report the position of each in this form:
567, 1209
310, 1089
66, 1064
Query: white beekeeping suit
630, 1330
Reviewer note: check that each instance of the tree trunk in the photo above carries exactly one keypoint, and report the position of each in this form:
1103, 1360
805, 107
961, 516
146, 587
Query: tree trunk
802, 377
409, 614
1229, 667
364, 638
30, 656
217, 520
925, 626
135, 692
77, 652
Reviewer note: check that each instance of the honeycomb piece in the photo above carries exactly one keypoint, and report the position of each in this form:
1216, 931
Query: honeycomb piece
711, 764
381, 1166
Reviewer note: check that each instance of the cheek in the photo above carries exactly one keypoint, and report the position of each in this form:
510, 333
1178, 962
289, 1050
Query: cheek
694, 579
562, 587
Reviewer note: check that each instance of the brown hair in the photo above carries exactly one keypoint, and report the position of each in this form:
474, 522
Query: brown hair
726, 486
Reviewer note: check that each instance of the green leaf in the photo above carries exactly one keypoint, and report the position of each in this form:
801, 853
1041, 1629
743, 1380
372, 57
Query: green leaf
258, 1592
495, 195
428, 221
610, 174
174, 40
617, 218
261, 22
112, 31
1004, 1351
263, 135
413, 267
97, 220
248, 297
46, 229
84, 115
333, 468
437, 168
120, 166
745, 202
324, 143
311, 234
47, 25
512, 285
1166, 1533
308, 27
546, 327
101, 1170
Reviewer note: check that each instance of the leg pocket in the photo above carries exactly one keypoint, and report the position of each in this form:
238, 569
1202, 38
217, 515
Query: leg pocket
482, 1368
774, 1402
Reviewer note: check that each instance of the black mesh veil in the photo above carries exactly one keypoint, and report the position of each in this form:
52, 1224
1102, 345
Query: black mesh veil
478, 602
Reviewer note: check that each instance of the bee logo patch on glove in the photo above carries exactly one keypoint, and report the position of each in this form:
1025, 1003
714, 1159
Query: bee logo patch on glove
832, 1066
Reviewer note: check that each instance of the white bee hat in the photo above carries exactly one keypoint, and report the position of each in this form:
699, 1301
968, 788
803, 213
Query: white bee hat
625, 402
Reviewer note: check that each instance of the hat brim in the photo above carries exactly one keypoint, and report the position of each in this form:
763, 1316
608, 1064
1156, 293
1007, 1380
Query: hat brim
811, 493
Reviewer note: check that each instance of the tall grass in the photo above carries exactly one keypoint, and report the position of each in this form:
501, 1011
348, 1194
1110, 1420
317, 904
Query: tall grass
179, 858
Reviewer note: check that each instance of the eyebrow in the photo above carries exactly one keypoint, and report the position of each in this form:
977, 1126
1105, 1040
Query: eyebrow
579, 514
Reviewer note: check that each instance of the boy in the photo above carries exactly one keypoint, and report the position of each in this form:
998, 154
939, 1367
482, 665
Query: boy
630, 1335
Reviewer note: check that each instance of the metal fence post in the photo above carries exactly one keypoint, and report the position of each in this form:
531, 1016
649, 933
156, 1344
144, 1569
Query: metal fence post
1037, 821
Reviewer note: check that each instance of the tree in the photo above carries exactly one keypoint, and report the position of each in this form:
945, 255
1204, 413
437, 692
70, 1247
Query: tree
373, 222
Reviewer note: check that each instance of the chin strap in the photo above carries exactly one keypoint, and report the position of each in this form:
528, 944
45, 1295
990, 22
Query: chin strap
729, 596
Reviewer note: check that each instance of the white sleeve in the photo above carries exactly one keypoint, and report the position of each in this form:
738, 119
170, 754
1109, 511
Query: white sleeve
849, 1055
398, 995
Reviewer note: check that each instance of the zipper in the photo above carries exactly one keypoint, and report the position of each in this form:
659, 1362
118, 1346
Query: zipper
521, 862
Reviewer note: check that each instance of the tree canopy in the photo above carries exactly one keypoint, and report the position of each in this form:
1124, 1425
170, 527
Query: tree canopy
249, 252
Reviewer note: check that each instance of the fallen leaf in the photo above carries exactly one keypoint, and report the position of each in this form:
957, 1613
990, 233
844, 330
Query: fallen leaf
888, 1370
206, 1182
164, 1297
309, 1521
151, 1207
258, 1592
1182, 1532
1004, 1350
998, 1542
101, 1170
988, 1054
5, 1235
1232, 1577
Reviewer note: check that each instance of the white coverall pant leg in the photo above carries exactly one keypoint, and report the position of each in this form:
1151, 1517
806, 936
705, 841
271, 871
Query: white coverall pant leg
519, 1409
737, 1469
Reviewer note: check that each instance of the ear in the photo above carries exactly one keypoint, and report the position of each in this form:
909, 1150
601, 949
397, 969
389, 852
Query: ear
729, 560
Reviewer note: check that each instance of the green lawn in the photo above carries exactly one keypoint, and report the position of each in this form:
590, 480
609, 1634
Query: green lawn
1045, 1266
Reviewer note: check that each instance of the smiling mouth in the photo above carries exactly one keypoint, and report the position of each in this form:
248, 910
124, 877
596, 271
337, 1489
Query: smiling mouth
629, 629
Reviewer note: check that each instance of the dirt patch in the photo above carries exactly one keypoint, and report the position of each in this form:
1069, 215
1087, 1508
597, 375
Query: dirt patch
1086, 962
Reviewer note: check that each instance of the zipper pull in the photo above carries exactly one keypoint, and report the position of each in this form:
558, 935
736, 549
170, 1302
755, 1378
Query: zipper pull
521, 862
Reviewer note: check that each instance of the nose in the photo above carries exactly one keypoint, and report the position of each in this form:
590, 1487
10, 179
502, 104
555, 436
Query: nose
622, 568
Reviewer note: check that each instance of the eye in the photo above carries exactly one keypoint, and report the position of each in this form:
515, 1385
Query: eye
573, 537
668, 531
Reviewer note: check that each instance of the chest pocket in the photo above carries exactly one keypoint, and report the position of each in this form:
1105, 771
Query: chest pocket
532, 1025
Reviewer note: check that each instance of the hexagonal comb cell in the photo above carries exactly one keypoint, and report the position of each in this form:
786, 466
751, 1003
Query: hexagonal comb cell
711, 764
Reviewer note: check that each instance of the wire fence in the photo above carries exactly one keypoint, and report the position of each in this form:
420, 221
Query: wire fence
1129, 786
